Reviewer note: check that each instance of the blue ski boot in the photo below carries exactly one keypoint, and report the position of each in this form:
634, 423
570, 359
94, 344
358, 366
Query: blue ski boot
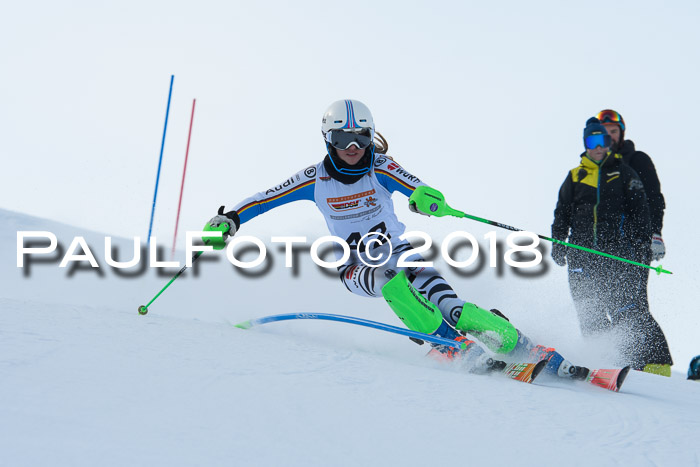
557, 365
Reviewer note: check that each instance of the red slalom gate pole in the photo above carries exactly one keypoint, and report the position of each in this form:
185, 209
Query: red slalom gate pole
182, 185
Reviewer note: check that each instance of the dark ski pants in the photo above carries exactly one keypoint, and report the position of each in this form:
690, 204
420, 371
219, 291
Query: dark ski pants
650, 345
613, 297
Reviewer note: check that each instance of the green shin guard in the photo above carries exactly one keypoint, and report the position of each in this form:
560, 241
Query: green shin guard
495, 332
416, 312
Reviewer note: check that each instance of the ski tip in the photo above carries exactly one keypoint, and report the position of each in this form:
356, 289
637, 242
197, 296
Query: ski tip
539, 366
621, 378
244, 325
523, 372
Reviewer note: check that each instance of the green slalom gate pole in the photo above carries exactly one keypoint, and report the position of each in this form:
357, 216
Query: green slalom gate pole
430, 200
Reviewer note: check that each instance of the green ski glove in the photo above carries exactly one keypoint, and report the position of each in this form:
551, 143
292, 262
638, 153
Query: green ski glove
226, 223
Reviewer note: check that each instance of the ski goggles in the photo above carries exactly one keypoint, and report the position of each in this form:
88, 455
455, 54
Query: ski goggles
593, 141
610, 116
340, 139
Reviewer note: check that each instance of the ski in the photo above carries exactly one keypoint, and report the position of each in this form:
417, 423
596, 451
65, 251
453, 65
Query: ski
524, 372
519, 371
610, 379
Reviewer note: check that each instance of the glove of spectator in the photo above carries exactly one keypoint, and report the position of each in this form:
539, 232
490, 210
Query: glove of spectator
658, 249
559, 254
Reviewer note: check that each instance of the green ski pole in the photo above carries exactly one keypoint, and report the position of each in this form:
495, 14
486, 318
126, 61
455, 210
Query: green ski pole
143, 309
218, 244
430, 200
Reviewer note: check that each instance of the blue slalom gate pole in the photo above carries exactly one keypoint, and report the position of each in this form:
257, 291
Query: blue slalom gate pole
160, 161
356, 321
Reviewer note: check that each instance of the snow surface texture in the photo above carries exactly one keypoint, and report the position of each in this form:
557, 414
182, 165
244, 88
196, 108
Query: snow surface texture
85, 380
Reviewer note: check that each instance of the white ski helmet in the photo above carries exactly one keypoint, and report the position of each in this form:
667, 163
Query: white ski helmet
346, 123
348, 115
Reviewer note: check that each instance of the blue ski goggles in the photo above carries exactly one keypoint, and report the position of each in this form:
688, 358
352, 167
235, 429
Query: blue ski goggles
593, 141
340, 139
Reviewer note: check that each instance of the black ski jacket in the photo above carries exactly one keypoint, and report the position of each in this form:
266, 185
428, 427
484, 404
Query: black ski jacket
603, 207
644, 167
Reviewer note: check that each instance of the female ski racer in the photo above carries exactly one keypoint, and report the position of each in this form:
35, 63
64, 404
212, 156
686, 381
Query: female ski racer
352, 187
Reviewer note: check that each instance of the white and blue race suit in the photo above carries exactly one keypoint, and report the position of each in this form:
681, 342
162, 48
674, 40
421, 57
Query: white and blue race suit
353, 210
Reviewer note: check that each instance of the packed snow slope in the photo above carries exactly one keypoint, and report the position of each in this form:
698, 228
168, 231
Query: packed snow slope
85, 380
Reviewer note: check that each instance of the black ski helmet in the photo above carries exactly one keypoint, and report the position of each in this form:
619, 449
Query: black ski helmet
611, 116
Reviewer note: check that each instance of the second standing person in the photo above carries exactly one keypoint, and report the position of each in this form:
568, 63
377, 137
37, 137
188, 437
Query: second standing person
602, 205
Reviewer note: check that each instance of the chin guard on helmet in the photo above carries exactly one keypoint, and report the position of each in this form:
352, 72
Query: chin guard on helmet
361, 168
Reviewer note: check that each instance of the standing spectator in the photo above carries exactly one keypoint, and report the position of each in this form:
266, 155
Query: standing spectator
643, 165
602, 205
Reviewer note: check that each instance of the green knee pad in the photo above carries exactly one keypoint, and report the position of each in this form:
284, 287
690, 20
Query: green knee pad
495, 332
416, 312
